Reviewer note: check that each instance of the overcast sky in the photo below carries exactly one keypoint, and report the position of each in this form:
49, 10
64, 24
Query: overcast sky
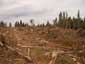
11, 10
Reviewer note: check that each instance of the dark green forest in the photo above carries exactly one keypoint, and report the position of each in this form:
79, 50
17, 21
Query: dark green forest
63, 21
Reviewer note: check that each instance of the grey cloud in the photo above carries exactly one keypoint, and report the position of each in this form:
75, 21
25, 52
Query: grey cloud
37, 8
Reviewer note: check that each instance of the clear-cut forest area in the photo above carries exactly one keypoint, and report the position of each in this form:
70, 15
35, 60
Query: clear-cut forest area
62, 42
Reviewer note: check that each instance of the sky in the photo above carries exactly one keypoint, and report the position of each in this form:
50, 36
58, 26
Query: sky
39, 10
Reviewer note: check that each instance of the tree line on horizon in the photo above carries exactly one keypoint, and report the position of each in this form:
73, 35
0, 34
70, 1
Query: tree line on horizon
62, 21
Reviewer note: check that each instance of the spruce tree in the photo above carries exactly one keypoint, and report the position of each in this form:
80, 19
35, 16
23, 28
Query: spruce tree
55, 22
60, 22
10, 25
